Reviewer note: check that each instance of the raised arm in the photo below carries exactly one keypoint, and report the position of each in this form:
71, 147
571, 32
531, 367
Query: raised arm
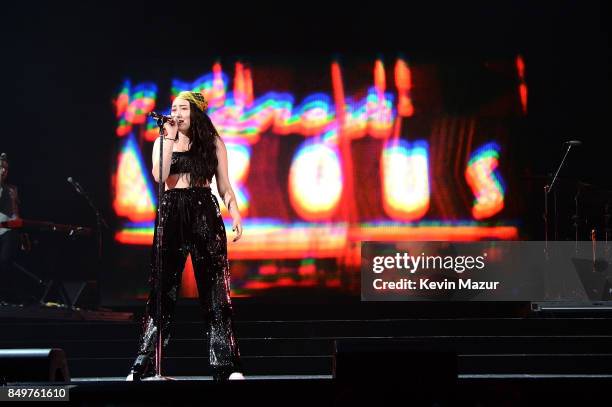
167, 159
170, 133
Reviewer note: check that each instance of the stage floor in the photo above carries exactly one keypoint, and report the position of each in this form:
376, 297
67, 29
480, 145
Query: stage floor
287, 390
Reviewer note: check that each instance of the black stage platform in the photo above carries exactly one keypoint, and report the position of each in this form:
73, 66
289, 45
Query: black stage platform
506, 354
300, 391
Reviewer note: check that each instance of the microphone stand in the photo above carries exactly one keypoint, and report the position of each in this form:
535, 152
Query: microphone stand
547, 189
158, 259
576, 218
99, 219
100, 222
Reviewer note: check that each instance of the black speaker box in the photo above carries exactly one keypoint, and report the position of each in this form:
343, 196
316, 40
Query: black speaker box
33, 365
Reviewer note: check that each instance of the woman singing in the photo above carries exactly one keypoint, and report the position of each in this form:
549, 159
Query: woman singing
192, 224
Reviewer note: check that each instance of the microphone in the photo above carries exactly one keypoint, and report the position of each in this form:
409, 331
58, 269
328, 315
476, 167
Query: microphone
162, 117
76, 185
575, 143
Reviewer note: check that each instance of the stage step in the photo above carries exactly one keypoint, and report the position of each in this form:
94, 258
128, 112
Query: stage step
322, 328
271, 347
319, 346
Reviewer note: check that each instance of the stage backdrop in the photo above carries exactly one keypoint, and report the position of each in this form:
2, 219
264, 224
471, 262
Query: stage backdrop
326, 154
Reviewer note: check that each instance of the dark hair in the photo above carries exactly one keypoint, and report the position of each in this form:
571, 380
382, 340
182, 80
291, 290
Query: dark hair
202, 138
4, 157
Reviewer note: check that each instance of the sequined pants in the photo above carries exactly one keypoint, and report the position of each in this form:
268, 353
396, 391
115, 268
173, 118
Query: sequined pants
192, 223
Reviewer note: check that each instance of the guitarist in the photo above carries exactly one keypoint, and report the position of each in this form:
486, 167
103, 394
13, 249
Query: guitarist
9, 239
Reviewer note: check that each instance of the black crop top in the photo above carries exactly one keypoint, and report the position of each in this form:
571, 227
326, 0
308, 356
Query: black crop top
181, 162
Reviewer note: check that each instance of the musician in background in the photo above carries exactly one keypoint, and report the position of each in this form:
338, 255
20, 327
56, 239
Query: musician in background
9, 239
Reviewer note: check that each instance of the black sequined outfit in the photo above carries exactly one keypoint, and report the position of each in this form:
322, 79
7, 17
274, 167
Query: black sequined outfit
192, 223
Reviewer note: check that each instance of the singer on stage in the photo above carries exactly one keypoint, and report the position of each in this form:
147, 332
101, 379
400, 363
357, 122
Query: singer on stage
9, 239
192, 223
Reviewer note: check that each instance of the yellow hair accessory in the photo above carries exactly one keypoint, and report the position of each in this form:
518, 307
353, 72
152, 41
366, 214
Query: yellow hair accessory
196, 98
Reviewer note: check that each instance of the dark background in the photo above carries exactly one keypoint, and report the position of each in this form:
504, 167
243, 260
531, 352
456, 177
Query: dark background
63, 64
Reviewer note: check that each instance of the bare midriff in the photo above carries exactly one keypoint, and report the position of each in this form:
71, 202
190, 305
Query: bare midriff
181, 181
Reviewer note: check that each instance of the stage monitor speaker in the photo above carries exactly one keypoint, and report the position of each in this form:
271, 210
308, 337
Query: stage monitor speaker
33, 365
394, 361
